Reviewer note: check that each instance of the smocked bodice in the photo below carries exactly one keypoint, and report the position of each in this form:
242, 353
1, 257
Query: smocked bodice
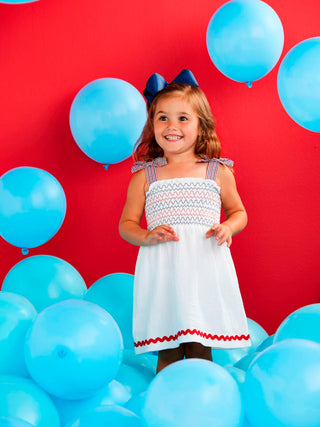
186, 201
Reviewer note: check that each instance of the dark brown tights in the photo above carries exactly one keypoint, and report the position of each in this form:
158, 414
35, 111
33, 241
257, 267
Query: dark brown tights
188, 350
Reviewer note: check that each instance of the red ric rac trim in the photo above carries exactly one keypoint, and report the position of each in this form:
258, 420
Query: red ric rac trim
192, 332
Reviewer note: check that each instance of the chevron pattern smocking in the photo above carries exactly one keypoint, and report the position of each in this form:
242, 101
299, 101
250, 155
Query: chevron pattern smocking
183, 201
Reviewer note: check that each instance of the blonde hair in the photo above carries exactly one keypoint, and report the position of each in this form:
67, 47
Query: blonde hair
207, 145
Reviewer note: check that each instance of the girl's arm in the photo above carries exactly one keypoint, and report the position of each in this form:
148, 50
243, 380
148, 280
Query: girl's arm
129, 226
235, 213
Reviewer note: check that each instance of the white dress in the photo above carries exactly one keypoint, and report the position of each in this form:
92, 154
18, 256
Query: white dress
186, 290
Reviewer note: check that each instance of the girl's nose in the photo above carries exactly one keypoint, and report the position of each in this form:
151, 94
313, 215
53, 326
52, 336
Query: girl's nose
171, 125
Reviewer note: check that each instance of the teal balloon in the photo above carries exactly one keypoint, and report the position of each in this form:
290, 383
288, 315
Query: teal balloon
21, 398
73, 349
257, 335
245, 39
17, 2
195, 392
13, 422
32, 206
44, 280
144, 361
136, 403
266, 343
299, 83
225, 357
303, 323
136, 380
238, 375
245, 362
113, 393
106, 119
282, 386
16, 316
114, 293
111, 416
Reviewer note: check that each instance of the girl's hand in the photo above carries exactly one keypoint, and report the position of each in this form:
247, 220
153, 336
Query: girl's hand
222, 232
161, 234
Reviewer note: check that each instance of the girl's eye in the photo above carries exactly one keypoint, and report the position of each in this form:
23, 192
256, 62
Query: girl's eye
163, 118
183, 118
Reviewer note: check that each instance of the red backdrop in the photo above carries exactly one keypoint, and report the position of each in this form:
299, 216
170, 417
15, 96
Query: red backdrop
51, 48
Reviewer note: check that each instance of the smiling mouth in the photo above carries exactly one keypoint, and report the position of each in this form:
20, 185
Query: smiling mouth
173, 137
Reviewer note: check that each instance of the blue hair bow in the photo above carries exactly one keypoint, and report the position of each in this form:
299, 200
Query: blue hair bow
156, 83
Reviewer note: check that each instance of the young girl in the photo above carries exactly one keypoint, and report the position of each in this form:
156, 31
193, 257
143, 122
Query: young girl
186, 293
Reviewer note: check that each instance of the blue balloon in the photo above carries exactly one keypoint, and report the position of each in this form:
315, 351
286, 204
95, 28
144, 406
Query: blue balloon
44, 280
113, 393
257, 335
245, 39
21, 398
134, 379
13, 422
17, 1
73, 349
195, 392
225, 357
299, 83
114, 293
106, 119
136, 403
238, 375
144, 361
111, 416
266, 343
245, 362
16, 316
303, 323
282, 386
32, 207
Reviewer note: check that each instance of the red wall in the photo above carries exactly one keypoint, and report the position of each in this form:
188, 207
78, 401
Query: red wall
51, 48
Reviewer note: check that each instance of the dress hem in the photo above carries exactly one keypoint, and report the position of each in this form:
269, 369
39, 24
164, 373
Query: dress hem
209, 340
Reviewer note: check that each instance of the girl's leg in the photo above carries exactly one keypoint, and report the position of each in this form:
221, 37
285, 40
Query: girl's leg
166, 357
197, 350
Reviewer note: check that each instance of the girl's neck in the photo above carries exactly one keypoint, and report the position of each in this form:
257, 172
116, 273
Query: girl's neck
183, 158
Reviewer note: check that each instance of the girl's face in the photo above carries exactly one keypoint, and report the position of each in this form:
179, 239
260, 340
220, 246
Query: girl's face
176, 125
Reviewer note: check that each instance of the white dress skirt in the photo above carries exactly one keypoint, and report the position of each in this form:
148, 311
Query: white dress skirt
186, 291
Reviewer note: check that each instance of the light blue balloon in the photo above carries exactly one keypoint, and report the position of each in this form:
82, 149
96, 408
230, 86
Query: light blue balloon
111, 416
21, 398
13, 422
16, 316
195, 392
144, 361
17, 1
245, 39
266, 343
32, 206
303, 323
282, 386
257, 335
113, 393
238, 375
299, 83
73, 349
44, 280
136, 403
245, 362
106, 119
225, 357
136, 380
114, 293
